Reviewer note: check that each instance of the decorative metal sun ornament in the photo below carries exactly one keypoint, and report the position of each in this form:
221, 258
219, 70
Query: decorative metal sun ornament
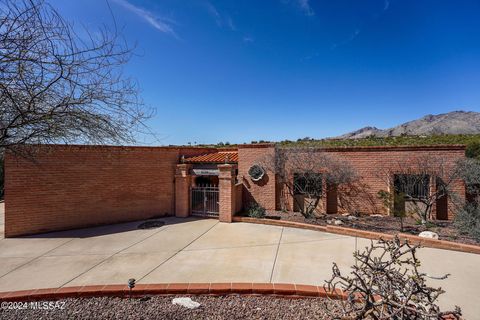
256, 172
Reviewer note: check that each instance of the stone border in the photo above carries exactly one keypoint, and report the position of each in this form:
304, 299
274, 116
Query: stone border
280, 289
286, 290
425, 242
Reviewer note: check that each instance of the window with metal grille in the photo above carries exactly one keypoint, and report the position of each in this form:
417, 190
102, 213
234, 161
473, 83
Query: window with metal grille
412, 186
308, 184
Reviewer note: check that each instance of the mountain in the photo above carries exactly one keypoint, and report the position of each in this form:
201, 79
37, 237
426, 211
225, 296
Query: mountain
455, 122
361, 133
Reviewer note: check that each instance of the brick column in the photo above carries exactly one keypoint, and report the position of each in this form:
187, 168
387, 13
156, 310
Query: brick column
226, 184
182, 190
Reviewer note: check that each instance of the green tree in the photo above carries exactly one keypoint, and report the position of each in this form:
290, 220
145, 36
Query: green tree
1, 176
395, 204
473, 150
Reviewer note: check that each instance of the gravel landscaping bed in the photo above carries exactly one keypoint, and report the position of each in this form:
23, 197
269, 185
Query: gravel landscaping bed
161, 307
385, 224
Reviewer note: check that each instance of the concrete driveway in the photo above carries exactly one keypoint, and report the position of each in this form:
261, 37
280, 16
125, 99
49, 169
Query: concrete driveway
204, 250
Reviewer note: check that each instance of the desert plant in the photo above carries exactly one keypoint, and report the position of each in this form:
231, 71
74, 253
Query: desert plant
256, 211
469, 171
473, 150
59, 87
421, 180
385, 283
304, 173
2, 179
395, 205
467, 220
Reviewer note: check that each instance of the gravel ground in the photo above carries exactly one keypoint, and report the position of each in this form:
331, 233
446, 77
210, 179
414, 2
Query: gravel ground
161, 307
385, 224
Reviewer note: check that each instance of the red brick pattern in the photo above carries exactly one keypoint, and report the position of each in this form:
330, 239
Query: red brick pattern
79, 186
431, 243
264, 191
227, 192
368, 162
279, 289
182, 190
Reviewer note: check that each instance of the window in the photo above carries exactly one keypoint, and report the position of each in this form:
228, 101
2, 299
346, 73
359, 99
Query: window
412, 186
309, 184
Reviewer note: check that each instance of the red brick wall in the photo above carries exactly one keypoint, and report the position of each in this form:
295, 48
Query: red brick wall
264, 191
368, 161
78, 186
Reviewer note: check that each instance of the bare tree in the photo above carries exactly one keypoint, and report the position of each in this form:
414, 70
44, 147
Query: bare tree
421, 181
469, 171
306, 172
467, 218
386, 283
59, 87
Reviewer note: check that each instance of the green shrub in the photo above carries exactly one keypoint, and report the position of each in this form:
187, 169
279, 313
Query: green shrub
256, 211
395, 204
467, 221
1, 175
473, 150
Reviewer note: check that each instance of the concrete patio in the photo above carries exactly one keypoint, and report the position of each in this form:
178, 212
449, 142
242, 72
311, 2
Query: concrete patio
204, 250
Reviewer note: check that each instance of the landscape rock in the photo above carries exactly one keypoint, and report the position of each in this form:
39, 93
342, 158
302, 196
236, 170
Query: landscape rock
377, 215
352, 218
186, 302
428, 234
337, 222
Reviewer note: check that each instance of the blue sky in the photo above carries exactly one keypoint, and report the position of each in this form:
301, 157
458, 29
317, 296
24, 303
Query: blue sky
238, 71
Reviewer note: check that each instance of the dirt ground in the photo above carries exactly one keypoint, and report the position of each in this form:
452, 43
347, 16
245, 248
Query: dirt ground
385, 224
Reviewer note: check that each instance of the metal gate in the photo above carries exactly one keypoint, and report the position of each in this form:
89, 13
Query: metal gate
204, 200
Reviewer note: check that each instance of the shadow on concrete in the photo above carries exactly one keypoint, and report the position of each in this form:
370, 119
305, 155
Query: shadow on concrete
109, 229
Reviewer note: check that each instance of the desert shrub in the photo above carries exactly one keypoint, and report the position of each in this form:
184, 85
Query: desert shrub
473, 150
395, 204
467, 220
1, 175
256, 211
386, 283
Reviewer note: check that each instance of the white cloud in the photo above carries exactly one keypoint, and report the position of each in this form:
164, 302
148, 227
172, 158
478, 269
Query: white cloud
160, 24
306, 8
230, 23
248, 39
348, 40
386, 5
220, 20
303, 5
214, 13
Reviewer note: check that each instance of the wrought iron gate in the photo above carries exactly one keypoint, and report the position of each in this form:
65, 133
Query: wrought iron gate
204, 200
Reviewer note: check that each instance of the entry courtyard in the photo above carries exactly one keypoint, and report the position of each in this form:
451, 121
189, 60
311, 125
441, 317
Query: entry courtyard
195, 250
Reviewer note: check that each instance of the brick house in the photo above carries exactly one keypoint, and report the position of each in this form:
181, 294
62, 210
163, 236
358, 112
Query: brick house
77, 186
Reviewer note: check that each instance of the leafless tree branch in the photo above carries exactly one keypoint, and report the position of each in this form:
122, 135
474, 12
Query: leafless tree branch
59, 87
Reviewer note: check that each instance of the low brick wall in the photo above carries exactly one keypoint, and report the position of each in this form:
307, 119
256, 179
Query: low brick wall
79, 186
238, 189
367, 161
425, 242
280, 289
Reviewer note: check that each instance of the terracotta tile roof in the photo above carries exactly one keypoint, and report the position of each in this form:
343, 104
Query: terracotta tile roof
216, 157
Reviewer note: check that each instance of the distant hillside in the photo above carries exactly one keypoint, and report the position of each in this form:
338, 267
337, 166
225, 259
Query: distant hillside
452, 123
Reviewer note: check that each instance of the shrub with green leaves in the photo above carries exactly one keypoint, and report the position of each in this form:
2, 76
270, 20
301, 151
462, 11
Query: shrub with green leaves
1, 175
467, 220
473, 150
395, 203
256, 211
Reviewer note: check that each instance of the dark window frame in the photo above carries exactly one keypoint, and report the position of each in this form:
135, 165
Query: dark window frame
303, 186
413, 186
